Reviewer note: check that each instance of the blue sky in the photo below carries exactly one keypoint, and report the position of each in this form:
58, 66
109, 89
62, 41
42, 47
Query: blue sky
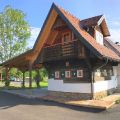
37, 10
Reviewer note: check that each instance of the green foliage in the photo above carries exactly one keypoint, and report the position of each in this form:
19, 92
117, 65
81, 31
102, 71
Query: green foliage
33, 74
16, 73
43, 74
7, 83
14, 31
117, 101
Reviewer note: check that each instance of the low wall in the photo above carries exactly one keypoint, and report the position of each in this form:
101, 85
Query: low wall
59, 85
105, 85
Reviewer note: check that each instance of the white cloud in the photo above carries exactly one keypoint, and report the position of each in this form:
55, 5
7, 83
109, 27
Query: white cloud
34, 34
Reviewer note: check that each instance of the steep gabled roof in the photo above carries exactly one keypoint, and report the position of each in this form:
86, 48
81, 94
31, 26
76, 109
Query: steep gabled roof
75, 25
84, 37
93, 21
96, 21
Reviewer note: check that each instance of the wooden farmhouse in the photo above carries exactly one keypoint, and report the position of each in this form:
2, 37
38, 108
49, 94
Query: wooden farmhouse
76, 53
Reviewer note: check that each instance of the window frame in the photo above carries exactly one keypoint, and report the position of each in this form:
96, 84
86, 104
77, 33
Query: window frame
58, 73
82, 73
65, 33
69, 74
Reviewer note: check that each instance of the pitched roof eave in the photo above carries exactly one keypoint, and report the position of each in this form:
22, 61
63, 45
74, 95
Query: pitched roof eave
74, 24
15, 59
85, 38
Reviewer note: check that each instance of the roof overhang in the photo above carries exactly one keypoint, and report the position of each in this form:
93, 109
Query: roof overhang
102, 23
23, 59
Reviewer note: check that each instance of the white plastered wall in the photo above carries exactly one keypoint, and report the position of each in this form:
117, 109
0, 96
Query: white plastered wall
59, 85
118, 74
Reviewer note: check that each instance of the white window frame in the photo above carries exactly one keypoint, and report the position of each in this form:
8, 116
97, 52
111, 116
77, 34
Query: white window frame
66, 74
57, 74
81, 72
99, 37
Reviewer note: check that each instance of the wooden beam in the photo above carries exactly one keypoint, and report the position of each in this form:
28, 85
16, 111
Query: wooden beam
44, 34
30, 74
1, 76
23, 84
6, 73
52, 37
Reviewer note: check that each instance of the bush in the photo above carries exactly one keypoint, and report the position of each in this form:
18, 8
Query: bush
7, 83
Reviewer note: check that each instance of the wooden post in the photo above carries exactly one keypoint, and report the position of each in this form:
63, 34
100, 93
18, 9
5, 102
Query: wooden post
37, 80
1, 76
6, 73
23, 84
30, 74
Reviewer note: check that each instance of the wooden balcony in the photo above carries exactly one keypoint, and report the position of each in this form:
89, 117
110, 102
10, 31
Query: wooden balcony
62, 51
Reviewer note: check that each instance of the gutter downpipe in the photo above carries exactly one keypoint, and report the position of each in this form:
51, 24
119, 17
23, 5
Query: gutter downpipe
93, 80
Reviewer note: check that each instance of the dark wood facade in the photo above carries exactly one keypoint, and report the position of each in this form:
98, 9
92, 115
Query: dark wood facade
57, 53
61, 51
74, 65
64, 44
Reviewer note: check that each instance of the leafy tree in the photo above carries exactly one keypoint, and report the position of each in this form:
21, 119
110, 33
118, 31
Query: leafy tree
43, 74
14, 32
16, 73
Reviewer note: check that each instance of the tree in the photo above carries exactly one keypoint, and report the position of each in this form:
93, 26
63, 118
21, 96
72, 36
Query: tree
14, 32
43, 74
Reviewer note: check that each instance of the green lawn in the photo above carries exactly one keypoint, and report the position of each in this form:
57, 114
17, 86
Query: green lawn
42, 84
17, 85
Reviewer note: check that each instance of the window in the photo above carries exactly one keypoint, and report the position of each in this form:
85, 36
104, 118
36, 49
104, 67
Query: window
66, 37
79, 73
98, 73
57, 74
99, 37
67, 64
67, 74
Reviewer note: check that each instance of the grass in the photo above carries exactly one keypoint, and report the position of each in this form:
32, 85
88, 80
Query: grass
17, 85
117, 101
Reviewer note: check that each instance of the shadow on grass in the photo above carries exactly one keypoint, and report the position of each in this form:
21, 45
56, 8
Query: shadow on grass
8, 100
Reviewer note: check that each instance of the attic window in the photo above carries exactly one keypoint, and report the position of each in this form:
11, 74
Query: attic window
66, 37
99, 37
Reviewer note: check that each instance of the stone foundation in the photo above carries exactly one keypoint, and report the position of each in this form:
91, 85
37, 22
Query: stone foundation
103, 94
70, 96
81, 96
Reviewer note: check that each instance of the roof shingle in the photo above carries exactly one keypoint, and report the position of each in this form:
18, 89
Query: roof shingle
75, 22
93, 21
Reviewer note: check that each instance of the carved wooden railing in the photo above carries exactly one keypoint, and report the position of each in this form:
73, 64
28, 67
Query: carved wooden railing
61, 51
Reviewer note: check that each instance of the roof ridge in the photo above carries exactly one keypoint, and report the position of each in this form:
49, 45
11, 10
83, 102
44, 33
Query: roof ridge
67, 12
92, 17
96, 48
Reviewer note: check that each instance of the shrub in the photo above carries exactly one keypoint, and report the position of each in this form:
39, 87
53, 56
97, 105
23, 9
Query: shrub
7, 83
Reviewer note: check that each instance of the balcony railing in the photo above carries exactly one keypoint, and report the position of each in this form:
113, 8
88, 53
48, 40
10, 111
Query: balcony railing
61, 51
